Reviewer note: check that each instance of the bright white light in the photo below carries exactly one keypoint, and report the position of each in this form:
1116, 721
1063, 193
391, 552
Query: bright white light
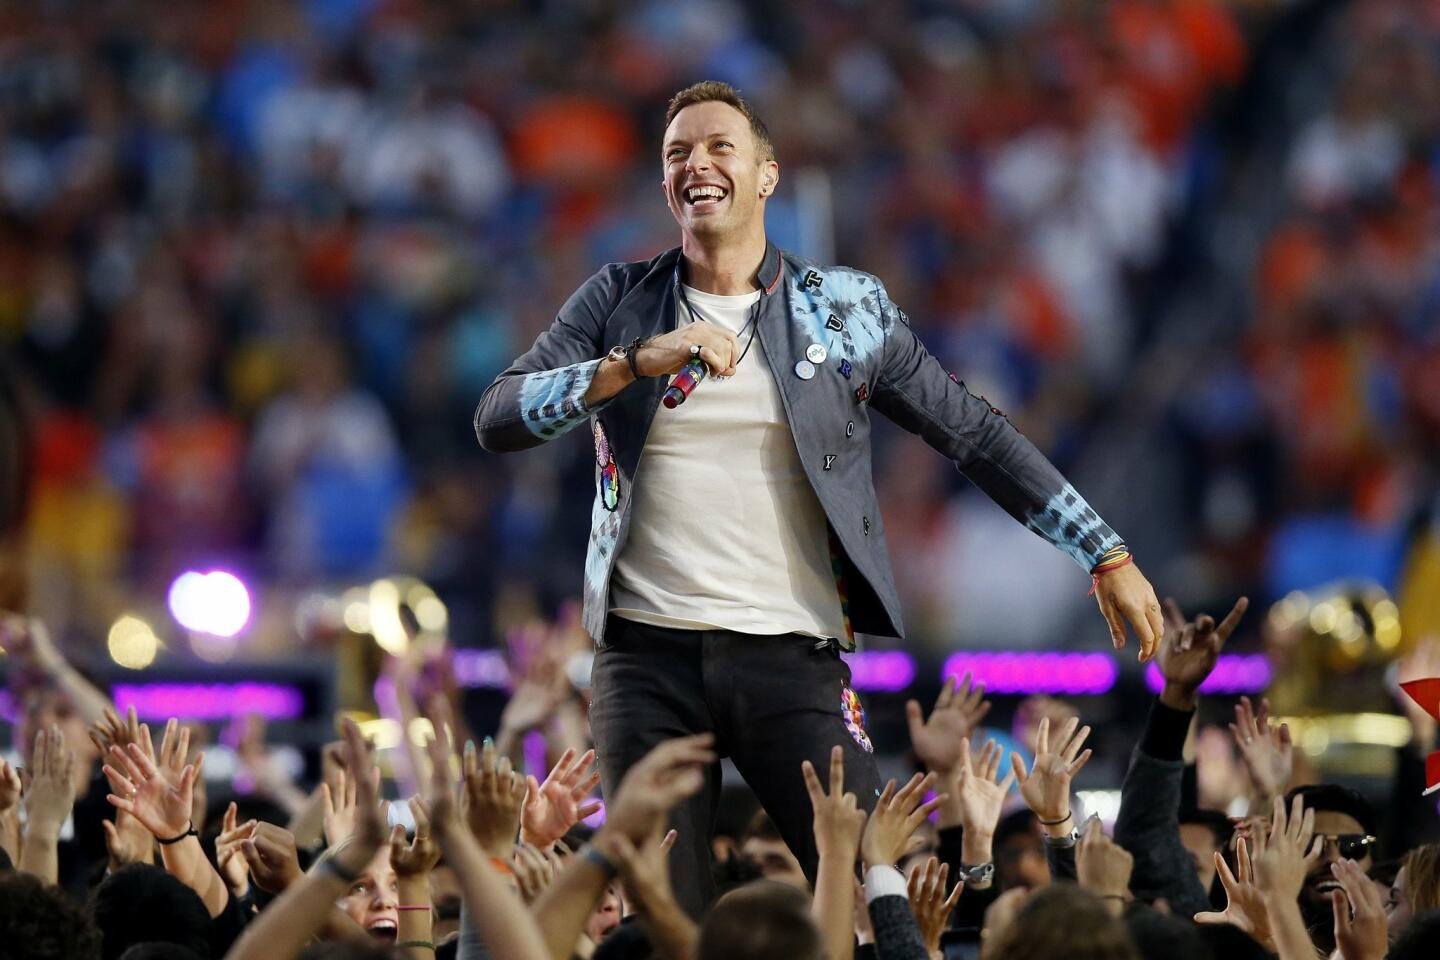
215, 603
132, 643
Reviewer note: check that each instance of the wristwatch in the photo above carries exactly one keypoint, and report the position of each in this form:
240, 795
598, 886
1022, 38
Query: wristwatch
1065, 842
627, 354
979, 875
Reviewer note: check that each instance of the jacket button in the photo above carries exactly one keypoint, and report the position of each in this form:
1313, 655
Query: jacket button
866, 521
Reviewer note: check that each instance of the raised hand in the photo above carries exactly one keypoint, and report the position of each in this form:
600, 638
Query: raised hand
1124, 594
270, 855
957, 714
1190, 649
1046, 788
1288, 851
1103, 866
1360, 935
896, 817
52, 785
839, 821
975, 797
1268, 752
112, 730
356, 852
229, 857
556, 805
153, 794
337, 798
492, 798
10, 789
535, 870
419, 856
662, 778
932, 908
1245, 903
127, 841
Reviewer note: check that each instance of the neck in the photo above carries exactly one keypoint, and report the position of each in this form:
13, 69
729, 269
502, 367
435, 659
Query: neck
726, 268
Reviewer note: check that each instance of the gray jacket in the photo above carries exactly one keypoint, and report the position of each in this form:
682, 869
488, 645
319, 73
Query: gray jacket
872, 360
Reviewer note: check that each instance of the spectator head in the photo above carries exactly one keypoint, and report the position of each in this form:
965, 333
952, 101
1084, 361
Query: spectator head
764, 846
607, 915
762, 921
1062, 922
733, 872
1420, 941
161, 951
41, 704
128, 903
714, 139
41, 923
1161, 936
373, 900
1019, 852
1204, 833
1348, 824
1416, 889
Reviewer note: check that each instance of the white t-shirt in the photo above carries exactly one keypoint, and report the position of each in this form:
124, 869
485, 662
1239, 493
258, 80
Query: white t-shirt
725, 530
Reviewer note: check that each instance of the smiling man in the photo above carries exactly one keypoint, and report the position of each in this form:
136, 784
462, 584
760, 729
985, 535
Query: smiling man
724, 579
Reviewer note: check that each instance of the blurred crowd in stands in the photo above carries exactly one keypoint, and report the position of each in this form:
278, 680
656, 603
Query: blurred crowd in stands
258, 258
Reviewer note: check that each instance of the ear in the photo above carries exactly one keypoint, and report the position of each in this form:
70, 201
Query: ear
769, 177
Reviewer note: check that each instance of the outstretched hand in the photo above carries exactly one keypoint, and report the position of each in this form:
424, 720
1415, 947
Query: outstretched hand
1268, 752
839, 820
1124, 594
896, 817
1190, 650
1046, 788
556, 805
956, 714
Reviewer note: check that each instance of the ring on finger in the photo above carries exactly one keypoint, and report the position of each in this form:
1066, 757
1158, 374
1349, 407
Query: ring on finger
694, 350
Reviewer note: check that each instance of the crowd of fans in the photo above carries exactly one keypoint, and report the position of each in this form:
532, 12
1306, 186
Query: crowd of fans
113, 845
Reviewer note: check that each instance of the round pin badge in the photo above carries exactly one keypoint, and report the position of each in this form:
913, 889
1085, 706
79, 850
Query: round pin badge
815, 353
804, 369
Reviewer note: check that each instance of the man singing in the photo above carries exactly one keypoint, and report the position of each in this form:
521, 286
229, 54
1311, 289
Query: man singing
724, 578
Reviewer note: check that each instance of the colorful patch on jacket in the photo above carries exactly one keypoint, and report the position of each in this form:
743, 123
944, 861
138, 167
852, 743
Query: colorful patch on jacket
853, 713
609, 471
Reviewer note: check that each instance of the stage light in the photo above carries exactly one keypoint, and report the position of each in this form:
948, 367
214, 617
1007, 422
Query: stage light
214, 603
1035, 672
210, 701
881, 671
385, 623
132, 643
484, 669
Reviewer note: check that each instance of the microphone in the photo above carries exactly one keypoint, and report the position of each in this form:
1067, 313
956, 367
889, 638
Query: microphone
684, 383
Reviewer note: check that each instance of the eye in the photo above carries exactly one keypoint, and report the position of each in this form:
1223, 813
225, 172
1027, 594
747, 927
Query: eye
725, 144
674, 153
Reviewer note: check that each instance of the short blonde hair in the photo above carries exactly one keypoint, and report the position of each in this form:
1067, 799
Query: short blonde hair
716, 91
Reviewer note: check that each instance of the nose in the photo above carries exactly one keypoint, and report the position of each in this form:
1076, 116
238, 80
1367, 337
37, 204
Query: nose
698, 160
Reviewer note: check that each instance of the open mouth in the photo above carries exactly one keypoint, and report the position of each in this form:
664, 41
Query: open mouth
708, 195
383, 930
1324, 885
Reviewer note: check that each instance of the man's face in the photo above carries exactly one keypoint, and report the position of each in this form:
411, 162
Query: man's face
713, 173
1315, 895
1199, 841
776, 862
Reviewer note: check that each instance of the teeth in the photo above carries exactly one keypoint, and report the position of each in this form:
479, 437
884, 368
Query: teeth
699, 193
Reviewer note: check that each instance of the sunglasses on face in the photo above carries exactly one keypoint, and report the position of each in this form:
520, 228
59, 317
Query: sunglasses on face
1350, 846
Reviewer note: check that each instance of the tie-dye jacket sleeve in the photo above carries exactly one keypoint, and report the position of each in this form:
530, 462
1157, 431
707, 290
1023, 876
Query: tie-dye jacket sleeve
542, 394
916, 392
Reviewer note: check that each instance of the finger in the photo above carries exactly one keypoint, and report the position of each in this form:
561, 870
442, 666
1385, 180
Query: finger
812, 784
947, 692
422, 820
1340, 907
1079, 762
1174, 619
1017, 768
589, 809
961, 694
965, 767
1072, 749
669, 841
586, 785
1227, 879
1284, 737
227, 822
837, 770
1232, 619
1042, 737
1156, 622
561, 765
1093, 830
914, 719
142, 762
1113, 618
487, 756
112, 839
991, 762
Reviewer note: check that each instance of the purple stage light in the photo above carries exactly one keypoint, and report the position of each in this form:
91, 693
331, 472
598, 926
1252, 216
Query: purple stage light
210, 701
881, 671
485, 669
1233, 673
216, 603
1036, 672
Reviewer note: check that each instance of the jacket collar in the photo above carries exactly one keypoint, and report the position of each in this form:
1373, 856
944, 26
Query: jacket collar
772, 268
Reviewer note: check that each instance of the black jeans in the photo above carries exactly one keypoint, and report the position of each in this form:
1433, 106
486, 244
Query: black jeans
771, 701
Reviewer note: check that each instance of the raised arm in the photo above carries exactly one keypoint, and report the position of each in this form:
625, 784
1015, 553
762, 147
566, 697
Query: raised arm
1046, 790
896, 817
47, 805
28, 639
1148, 824
838, 824
915, 391
284, 928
